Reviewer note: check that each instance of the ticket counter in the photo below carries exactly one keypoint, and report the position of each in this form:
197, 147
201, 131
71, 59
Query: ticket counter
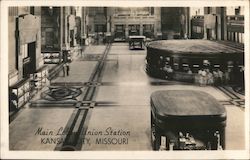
182, 55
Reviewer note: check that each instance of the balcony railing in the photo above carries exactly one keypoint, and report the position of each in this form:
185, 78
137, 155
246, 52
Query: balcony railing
133, 17
235, 20
235, 23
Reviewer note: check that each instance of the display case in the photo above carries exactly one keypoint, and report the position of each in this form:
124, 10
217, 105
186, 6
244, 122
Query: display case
52, 57
25, 89
19, 93
39, 79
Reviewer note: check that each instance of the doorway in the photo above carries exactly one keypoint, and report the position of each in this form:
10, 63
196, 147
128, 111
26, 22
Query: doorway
134, 30
209, 34
29, 58
120, 32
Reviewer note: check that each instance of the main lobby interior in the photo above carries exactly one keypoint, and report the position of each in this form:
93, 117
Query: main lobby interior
81, 78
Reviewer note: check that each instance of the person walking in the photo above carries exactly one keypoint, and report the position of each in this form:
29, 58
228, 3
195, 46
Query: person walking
67, 68
199, 77
220, 76
64, 69
204, 77
168, 72
189, 71
227, 76
216, 77
210, 78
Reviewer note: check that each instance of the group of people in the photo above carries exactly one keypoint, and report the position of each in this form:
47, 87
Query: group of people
168, 72
163, 67
166, 69
215, 77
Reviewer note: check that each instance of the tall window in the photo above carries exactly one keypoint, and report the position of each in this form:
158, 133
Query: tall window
32, 10
152, 11
72, 10
208, 10
63, 24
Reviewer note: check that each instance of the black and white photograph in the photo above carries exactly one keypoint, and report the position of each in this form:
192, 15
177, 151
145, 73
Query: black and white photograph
169, 80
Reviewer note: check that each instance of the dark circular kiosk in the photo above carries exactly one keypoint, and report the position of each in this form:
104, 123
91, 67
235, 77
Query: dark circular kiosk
187, 120
186, 57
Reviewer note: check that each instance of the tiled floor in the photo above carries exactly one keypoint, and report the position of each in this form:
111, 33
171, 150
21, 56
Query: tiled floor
24, 128
120, 102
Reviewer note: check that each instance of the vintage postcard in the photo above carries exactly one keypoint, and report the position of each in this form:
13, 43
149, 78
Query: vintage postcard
125, 79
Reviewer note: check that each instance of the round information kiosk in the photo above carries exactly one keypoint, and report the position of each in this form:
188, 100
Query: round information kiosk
182, 60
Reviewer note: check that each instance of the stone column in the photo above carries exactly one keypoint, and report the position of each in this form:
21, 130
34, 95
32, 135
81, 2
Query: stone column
155, 29
82, 22
67, 34
205, 32
109, 13
108, 24
224, 23
20, 60
61, 27
126, 31
113, 29
65, 27
141, 29
218, 17
157, 26
39, 57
